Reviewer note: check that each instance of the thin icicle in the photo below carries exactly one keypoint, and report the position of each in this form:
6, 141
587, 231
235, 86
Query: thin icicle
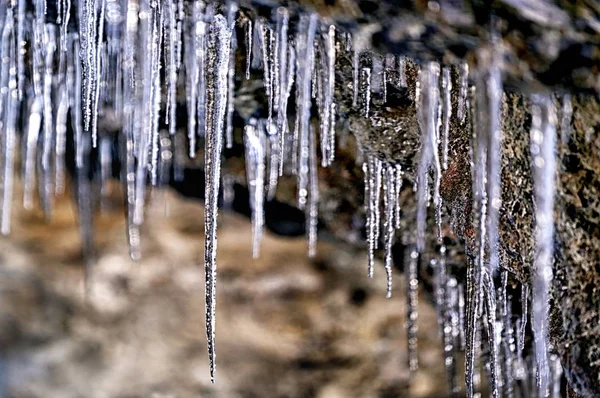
8, 108
524, 314
399, 175
377, 75
390, 200
61, 140
105, 149
232, 11
255, 174
305, 48
171, 71
402, 71
450, 328
34, 125
366, 90
446, 113
412, 314
471, 330
266, 39
48, 126
286, 73
21, 46
489, 108
427, 114
557, 371
96, 70
508, 345
490, 323
326, 99
312, 210
373, 170
218, 60
155, 86
274, 155
249, 45
543, 148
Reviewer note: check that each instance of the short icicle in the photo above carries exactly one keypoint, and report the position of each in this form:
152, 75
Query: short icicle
254, 142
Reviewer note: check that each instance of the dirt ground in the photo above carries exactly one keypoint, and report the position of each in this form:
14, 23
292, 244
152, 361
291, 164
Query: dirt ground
287, 325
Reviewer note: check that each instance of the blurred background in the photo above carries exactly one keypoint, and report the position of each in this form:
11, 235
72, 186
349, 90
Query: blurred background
287, 325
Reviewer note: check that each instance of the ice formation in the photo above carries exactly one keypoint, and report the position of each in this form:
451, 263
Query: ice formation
135, 60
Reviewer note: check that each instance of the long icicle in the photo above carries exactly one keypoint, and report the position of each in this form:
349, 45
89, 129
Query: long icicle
427, 114
543, 147
218, 65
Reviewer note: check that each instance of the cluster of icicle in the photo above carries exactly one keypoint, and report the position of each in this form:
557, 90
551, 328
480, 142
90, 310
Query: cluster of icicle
129, 60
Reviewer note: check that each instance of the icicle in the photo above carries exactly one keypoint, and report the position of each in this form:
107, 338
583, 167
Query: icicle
61, 140
305, 48
21, 44
399, 175
489, 109
48, 126
524, 314
8, 107
33, 129
366, 90
508, 344
266, 38
255, 174
492, 333
450, 329
312, 213
218, 59
373, 170
328, 104
88, 29
402, 71
105, 150
427, 113
155, 87
274, 155
471, 330
556, 370
461, 316
412, 315
543, 143
463, 92
232, 10
249, 45
478, 349
390, 200
566, 115
377, 75
95, 44
389, 66
282, 93
171, 72
446, 112
286, 77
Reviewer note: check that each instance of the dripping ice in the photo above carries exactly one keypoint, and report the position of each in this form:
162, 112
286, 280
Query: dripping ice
69, 87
